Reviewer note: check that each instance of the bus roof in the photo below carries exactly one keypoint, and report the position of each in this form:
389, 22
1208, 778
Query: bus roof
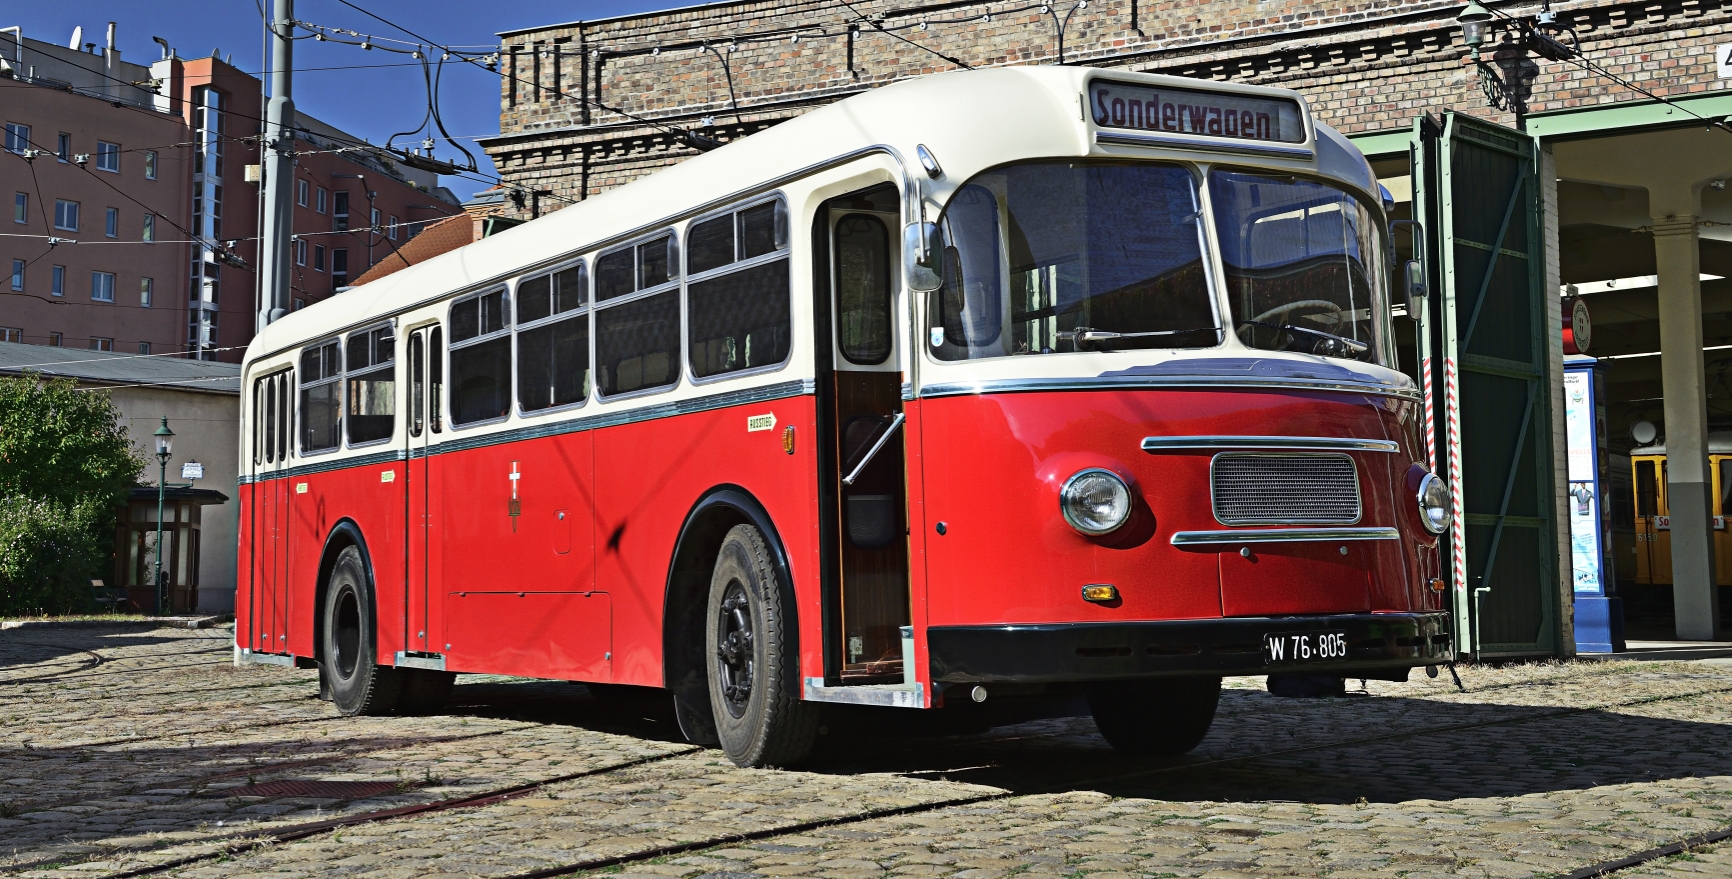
971, 120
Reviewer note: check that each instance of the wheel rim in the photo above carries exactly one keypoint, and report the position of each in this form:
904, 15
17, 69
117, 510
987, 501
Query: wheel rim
735, 656
346, 632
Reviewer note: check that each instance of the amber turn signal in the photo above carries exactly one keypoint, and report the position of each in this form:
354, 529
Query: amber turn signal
788, 439
1099, 592
1437, 584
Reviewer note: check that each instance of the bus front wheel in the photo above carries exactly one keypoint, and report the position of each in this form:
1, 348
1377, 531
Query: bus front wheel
349, 669
1158, 718
753, 672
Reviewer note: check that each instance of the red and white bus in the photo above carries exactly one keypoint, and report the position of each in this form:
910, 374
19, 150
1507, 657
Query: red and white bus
1038, 380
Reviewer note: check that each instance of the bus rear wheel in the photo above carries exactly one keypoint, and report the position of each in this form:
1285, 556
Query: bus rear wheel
753, 672
1159, 718
349, 668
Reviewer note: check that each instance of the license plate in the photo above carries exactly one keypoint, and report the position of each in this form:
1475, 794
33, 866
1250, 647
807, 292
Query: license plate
1304, 647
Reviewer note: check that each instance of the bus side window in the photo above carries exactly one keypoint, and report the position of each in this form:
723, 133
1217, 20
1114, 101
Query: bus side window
1646, 496
270, 419
436, 366
285, 414
739, 318
553, 339
637, 318
257, 417
480, 358
417, 383
321, 397
863, 289
1725, 503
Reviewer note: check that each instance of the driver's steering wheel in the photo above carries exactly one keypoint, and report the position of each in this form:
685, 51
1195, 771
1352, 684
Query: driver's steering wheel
1263, 318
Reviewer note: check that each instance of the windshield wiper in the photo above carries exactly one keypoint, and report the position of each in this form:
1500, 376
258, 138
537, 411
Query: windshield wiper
1085, 335
1350, 348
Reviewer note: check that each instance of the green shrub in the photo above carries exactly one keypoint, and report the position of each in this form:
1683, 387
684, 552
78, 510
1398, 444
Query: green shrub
48, 555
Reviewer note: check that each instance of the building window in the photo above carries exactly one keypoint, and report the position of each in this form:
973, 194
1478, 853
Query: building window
66, 215
58, 285
320, 202
18, 274
318, 257
412, 230
301, 187
146, 292
373, 219
339, 267
144, 347
391, 228
149, 170
101, 344
20, 207
63, 148
111, 223
56, 340
102, 286
149, 228
11, 334
108, 156
300, 303
300, 252
17, 137
340, 212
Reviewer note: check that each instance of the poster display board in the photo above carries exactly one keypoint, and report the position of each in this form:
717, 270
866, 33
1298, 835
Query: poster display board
1599, 617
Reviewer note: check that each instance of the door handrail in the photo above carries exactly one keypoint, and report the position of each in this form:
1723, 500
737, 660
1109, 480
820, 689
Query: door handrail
848, 481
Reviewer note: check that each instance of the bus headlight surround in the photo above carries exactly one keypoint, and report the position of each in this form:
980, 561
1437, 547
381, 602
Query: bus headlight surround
1433, 500
1095, 501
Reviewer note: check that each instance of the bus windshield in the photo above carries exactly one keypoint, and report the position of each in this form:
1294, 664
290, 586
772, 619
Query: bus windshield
1303, 264
1057, 256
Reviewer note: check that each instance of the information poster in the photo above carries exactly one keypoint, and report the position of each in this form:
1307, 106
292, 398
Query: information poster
1584, 501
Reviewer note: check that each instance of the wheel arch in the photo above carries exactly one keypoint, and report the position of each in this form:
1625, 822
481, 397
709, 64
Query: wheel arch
343, 535
687, 595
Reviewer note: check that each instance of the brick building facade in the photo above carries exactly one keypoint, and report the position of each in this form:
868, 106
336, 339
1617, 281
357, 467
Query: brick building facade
728, 69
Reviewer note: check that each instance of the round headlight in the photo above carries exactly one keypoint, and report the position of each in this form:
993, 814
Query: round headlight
1095, 501
1434, 504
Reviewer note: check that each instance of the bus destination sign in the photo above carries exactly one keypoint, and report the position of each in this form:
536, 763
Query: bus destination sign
1190, 111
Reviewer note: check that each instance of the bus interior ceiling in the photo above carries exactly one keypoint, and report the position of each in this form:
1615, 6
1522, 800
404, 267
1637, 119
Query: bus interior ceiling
1605, 251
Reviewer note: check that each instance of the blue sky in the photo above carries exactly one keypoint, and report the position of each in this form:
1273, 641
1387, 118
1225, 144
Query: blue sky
331, 83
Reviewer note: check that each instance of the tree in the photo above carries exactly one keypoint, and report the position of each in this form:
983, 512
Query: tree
65, 466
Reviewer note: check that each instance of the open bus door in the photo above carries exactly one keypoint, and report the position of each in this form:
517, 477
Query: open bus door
1485, 348
866, 488
425, 369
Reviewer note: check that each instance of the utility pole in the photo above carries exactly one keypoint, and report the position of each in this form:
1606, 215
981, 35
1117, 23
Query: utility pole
279, 146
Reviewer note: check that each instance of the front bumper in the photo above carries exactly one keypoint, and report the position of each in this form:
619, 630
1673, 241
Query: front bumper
1104, 651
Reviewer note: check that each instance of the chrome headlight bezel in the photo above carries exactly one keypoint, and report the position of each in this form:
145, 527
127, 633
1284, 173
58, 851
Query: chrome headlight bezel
1071, 502
1434, 504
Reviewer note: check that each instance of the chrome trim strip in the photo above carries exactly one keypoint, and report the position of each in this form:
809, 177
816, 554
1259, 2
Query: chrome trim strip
431, 663
883, 695
243, 656
1282, 535
1283, 443
1135, 383
1203, 143
780, 391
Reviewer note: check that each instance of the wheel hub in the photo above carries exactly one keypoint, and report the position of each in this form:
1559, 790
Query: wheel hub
735, 661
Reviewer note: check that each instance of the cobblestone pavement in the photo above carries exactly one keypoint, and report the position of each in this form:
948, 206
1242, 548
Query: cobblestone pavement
123, 750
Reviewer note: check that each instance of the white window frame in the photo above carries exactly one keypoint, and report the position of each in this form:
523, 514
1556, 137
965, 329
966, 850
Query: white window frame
108, 157
102, 286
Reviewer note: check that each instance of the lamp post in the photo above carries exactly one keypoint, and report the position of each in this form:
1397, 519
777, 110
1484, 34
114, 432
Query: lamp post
164, 451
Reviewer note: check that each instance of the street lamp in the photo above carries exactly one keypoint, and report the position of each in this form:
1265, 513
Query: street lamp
164, 451
1475, 21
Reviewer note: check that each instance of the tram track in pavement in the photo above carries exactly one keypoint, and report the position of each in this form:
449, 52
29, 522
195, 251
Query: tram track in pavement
249, 841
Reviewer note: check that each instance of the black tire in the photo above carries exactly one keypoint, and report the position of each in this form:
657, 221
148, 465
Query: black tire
1159, 718
423, 690
753, 669
358, 684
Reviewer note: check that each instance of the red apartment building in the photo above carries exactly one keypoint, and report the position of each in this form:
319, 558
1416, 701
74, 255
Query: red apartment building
183, 146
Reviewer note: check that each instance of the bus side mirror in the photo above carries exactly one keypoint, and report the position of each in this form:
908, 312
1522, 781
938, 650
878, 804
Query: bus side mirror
1414, 275
922, 257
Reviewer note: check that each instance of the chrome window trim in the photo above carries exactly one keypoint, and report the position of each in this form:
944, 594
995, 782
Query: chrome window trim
552, 317
737, 266
581, 312
345, 375
1282, 535
301, 384
506, 332
676, 266
1132, 383
1276, 443
1201, 142
509, 310
1358, 495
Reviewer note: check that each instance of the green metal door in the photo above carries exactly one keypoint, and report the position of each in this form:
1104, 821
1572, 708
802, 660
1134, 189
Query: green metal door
1484, 351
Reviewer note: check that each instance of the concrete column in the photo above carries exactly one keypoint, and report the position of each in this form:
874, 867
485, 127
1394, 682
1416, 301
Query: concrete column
1689, 483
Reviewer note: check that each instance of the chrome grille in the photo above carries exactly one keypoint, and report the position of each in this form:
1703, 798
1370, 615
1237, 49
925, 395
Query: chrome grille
1261, 489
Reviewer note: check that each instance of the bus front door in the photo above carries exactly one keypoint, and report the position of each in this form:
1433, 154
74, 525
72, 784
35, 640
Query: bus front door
1653, 528
265, 619
869, 601
425, 370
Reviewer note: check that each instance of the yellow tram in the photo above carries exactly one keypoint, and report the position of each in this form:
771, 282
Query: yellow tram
1654, 531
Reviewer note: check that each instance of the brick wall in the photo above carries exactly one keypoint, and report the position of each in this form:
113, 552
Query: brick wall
1365, 66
